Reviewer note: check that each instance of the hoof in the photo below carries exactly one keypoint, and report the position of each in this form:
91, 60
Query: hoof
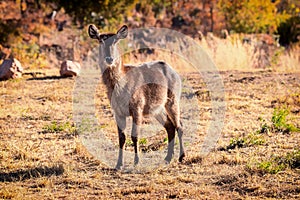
181, 157
136, 161
168, 159
119, 167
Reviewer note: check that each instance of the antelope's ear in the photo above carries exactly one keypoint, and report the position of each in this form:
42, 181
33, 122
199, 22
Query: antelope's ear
93, 32
122, 32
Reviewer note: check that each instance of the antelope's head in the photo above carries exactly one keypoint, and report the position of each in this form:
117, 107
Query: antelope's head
109, 53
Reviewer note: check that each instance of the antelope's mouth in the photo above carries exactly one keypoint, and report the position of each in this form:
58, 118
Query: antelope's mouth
112, 65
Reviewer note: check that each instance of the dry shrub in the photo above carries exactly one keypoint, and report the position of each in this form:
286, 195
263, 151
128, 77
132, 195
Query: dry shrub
290, 59
233, 53
228, 53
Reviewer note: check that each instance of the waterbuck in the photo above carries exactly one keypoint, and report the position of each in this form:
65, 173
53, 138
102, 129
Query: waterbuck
152, 88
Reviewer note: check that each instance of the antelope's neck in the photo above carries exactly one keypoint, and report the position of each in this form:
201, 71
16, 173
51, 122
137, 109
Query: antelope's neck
111, 77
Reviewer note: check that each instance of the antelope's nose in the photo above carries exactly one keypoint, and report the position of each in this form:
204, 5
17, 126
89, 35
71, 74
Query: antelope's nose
108, 60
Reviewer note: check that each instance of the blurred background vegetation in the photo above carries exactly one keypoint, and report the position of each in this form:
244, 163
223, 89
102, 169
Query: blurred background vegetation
41, 33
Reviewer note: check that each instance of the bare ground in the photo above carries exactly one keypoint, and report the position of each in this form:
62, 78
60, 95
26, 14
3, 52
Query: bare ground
41, 156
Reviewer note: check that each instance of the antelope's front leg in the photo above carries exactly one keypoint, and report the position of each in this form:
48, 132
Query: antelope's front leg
121, 127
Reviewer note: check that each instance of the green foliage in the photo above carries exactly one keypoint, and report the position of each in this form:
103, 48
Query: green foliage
279, 163
157, 6
288, 30
7, 29
81, 11
251, 139
165, 140
252, 16
279, 122
270, 167
29, 53
275, 59
236, 143
143, 141
265, 128
129, 142
292, 160
55, 127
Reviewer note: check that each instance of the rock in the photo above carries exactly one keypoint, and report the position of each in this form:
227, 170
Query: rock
69, 68
10, 68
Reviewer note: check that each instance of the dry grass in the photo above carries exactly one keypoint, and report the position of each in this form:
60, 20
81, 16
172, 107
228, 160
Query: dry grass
42, 157
290, 59
233, 54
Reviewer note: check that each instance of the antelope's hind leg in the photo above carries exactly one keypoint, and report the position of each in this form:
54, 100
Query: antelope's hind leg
173, 111
164, 120
170, 128
182, 152
137, 119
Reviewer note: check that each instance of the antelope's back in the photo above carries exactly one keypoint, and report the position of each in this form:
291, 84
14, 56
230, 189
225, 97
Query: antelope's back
156, 72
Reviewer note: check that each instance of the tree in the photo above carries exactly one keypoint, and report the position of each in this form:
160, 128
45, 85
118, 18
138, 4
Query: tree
289, 30
81, 10
252, 16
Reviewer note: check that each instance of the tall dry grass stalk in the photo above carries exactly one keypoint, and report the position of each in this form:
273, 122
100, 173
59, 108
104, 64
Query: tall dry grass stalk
228, 54
177, 62
234, 54
231, 54
290, 59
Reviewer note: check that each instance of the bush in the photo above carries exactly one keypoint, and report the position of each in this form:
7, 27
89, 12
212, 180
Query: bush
29, 54
279, 163
279, 122
252, 16
247, 141
55, 127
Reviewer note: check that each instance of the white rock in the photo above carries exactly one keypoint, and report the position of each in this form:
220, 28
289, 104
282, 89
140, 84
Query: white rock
70, 68
10, 69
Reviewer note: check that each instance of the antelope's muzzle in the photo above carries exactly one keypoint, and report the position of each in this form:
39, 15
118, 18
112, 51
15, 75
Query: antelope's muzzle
109, 60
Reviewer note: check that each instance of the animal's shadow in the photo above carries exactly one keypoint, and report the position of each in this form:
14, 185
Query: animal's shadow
47, 78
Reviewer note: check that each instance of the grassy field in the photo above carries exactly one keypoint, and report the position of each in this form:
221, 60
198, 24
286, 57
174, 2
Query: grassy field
257, 156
